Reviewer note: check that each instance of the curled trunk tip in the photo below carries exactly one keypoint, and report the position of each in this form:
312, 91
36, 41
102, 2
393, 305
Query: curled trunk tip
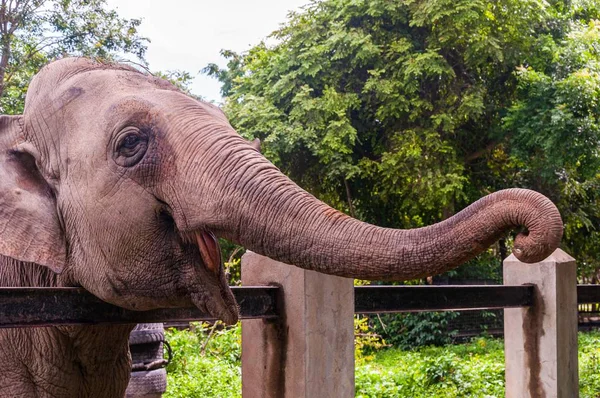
544, 228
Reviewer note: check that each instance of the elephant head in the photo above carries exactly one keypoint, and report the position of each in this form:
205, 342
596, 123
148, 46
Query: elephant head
120, 183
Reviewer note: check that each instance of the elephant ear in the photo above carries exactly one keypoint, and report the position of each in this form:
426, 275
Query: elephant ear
30, 229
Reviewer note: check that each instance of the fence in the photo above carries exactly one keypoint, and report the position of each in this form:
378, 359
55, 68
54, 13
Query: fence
297, 328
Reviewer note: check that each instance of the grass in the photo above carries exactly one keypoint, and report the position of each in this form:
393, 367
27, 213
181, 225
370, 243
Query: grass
212, 372
474, 369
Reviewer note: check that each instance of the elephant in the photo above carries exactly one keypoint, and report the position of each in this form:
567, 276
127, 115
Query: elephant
116, 181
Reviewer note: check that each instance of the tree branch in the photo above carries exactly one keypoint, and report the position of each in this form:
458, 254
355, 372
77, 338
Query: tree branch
349, 199
4, 58
37, 48
481, 152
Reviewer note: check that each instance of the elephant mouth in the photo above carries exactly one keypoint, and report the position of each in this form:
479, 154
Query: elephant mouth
210, 251
210, 290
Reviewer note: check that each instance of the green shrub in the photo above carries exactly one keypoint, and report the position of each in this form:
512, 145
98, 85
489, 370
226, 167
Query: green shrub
411, 330
589, 365
214, 372
366, 342
474, 369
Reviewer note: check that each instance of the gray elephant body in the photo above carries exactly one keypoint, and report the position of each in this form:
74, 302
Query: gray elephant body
66, 362
117, 182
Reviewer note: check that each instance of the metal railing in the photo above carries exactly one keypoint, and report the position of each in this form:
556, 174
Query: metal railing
29, 307
34, 307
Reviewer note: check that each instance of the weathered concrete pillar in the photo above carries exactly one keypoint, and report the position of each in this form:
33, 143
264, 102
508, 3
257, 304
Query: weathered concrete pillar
309, 352
541, 341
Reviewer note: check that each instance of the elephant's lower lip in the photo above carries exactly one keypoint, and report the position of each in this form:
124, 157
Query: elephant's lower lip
208, 246
210, 251
210, 292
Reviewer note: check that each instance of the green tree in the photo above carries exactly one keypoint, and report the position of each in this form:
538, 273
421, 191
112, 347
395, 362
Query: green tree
33, 32
403, 112
553, 127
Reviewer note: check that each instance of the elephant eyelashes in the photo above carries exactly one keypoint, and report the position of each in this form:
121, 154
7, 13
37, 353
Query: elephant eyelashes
131, 146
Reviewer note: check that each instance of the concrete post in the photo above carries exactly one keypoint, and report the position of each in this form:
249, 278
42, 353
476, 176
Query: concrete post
541, 341
309, 352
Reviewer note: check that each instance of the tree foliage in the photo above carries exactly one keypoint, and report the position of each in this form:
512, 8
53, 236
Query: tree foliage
33, 32
553, 127
403, 112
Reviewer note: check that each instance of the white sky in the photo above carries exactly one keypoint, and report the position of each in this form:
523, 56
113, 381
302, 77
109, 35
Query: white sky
188, 34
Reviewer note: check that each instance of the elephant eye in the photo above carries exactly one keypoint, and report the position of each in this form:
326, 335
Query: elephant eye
131, 146
131, 141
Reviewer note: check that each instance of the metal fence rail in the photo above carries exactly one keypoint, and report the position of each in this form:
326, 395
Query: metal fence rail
588, 294
28, 307
381, 299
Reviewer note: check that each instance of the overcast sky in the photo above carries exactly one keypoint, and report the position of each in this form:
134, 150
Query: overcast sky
188, 34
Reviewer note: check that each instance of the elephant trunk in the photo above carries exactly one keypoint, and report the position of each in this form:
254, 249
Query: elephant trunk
237, 194
263, 210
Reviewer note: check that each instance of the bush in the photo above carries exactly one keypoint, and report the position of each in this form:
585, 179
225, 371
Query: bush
411, 330
474, 369
589, 364
214, 371
366, 342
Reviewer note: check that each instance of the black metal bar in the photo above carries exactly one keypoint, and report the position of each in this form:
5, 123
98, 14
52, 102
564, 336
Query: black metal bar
68, 306
380, 299
588, 294
22, 307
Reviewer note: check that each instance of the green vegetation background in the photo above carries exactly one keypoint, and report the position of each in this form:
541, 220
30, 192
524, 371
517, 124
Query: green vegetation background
474, 369
401, 113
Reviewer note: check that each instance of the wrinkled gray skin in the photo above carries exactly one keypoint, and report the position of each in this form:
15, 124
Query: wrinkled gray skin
115, 181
